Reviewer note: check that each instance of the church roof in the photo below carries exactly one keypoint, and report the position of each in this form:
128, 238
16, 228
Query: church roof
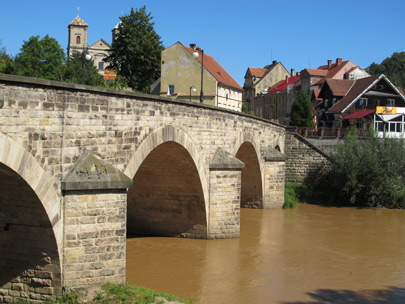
78, 21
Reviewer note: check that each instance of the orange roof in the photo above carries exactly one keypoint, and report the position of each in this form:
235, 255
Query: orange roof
317, 72
216, 70
78, 21
257, 72
340, 87
316, 92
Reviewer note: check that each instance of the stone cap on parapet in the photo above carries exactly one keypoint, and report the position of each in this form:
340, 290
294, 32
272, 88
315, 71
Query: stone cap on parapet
273, 155
223, 160
90, 172
37, 82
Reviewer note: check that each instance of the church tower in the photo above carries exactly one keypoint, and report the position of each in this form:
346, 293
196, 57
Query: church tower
77, 35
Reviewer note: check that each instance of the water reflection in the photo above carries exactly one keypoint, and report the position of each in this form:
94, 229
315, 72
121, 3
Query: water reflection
282, 256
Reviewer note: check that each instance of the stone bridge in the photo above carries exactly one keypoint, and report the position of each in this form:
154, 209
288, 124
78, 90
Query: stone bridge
82, 167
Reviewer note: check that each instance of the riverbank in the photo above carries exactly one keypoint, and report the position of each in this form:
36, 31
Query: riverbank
114, 294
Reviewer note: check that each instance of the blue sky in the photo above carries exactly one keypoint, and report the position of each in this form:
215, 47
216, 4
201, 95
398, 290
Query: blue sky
237, 33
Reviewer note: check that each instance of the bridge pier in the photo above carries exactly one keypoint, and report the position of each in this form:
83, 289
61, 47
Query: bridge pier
225, 185
274, 179
94, 240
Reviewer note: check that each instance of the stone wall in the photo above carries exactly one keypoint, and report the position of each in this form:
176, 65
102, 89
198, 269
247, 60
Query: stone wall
224, 204
303, 159
29, 260
95, 238
45, 127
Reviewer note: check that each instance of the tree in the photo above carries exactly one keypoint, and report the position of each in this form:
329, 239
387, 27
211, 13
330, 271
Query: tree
302, 114
41, 58
367, 172
6, 62
79, 70
393, 67
136, 51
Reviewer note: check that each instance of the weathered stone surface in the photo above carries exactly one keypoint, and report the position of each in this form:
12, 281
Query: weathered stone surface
44, 128
224, 160
303, 159
91, 172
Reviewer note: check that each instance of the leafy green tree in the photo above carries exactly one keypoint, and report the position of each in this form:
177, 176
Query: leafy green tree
367, 172
302, 114
136, 51
393, 67
6, 62
80, 70
41, 58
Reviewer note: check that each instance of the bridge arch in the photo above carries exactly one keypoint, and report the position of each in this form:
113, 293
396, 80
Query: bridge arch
168, 173
247, 150
30, 224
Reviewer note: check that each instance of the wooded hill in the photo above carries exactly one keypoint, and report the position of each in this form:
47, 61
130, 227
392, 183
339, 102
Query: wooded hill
393, 67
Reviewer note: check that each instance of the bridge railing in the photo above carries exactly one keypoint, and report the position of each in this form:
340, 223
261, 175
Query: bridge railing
328, 132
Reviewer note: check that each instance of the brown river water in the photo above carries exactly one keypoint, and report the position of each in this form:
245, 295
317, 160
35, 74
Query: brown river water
311, 254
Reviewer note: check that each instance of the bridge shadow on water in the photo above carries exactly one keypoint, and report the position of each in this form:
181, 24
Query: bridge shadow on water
392, 295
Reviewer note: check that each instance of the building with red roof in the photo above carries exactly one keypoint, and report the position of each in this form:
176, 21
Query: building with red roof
276, 103
181, 78
259, 80
314, 78
348, 102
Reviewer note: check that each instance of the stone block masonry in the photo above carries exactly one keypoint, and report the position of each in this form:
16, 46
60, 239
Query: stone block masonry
46, 126
303, 159
94, 239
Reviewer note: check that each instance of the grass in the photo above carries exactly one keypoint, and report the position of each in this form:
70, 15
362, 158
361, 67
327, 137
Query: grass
114, 294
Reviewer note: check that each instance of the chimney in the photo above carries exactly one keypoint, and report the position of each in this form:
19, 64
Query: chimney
198, 49
338, 61
329, 64
193, 45
292, 72
274, 61
286, 79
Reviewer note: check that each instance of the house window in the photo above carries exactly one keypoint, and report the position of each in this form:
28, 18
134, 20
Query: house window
326, 103
170, 92
77, 39
101, 66
362, 102
390, 102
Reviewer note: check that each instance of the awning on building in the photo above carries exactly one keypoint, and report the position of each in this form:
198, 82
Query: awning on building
358, 114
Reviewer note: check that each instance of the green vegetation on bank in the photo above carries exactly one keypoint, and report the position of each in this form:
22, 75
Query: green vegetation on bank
114, 294
366, 172
301, 193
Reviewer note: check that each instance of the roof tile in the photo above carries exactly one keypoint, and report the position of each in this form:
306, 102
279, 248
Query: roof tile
216, 70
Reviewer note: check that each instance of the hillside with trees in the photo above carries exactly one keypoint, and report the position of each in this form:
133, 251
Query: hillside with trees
393, 67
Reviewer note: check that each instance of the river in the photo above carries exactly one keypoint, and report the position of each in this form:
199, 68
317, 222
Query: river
311, 254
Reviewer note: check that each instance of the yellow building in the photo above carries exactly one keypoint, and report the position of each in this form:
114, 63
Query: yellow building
181, 78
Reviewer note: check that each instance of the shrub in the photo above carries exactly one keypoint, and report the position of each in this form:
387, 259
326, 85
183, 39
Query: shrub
367, 172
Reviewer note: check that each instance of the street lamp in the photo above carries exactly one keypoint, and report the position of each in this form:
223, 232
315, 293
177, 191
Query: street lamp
85, 57
192, 89
195, 55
